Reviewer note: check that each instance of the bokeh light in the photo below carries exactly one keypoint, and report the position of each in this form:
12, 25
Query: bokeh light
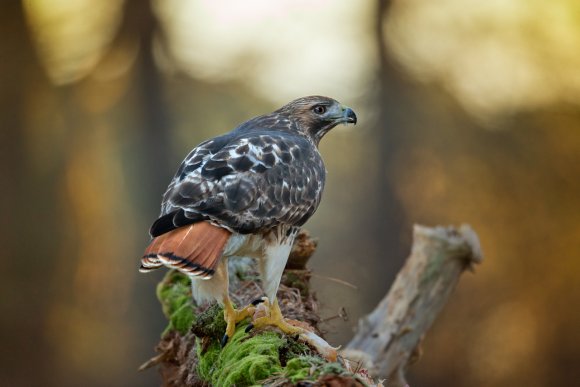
101, 100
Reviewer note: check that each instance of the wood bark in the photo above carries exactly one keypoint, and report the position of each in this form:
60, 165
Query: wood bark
389, 338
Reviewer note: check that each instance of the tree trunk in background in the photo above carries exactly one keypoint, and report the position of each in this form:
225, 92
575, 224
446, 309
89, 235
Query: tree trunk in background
139, 22
50, 135
20, 77
129, 130
395, 121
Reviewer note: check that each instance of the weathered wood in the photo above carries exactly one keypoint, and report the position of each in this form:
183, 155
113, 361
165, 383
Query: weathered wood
388, 340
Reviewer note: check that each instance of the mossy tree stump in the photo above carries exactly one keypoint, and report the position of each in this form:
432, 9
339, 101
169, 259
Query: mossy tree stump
190, 353
387, 343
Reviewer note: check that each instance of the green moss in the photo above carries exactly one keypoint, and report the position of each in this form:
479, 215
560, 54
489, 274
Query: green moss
302, 368
244, 361
292, 349
247, 359
310, 368
332, 368
210, 323
174, 293
207, 360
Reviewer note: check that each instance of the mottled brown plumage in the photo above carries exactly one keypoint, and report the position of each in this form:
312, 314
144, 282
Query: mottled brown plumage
245, 193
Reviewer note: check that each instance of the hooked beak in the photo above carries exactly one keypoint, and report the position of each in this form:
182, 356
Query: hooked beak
348, 115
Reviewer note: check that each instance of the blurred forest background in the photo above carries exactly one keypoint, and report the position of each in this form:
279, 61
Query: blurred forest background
468, 112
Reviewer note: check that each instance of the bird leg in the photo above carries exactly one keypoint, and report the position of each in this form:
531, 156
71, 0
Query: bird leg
274, 318
233, 316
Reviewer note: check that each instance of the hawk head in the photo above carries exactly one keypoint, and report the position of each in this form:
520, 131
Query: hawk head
316, 115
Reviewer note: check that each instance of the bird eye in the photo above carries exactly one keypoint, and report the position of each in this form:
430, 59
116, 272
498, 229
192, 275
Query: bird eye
319, 109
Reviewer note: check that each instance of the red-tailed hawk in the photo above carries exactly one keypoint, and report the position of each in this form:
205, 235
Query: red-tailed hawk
245, 193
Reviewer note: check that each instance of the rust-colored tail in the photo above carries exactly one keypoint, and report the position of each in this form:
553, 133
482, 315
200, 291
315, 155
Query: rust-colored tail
193, 250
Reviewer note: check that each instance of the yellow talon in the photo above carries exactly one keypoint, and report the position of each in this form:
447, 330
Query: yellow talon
274, 318
233, 316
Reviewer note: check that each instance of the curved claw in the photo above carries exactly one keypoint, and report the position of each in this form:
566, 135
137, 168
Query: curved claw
258, 301
249, 328
233, 316
224, 340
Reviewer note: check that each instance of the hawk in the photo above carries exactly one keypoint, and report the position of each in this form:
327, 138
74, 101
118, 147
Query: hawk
245, 193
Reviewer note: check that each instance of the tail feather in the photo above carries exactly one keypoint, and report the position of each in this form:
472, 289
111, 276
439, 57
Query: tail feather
193, 250
150, 261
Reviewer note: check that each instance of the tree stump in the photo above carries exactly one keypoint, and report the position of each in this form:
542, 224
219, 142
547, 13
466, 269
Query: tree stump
387, 341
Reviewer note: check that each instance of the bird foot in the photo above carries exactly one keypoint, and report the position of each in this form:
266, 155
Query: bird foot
233, 316
269, 315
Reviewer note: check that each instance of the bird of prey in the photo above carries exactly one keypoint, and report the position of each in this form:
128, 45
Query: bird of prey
245, 193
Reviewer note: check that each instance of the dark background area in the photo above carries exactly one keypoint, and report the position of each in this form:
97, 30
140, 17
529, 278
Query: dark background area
468, 113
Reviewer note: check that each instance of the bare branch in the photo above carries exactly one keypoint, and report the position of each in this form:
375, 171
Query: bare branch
389, 338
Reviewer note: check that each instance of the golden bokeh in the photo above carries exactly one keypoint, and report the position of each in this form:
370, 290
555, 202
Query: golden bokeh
102, 99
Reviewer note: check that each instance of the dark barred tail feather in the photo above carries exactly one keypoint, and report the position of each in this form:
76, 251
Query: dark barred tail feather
193, 250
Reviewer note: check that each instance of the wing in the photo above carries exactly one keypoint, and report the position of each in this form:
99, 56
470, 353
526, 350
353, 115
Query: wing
253, 183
